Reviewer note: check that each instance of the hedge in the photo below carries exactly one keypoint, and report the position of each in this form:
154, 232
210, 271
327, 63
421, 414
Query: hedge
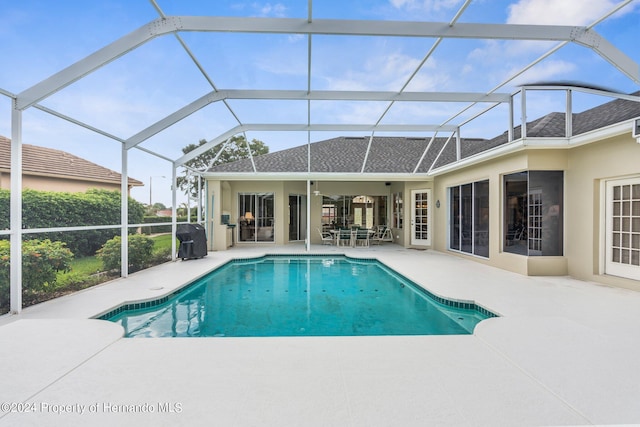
140, 251
41, 260
44, 209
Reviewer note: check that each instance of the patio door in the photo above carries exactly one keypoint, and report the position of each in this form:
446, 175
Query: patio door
623, 228
421, 217
297, 217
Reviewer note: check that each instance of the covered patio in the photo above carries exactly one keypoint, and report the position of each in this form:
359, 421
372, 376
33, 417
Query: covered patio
500, 103
563, 352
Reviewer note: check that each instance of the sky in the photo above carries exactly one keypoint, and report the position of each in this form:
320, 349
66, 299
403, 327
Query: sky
40, 37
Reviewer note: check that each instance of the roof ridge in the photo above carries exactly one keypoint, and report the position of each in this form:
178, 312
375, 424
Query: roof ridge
45, 160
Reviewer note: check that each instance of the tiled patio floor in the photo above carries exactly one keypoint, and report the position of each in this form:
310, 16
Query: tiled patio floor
564, 352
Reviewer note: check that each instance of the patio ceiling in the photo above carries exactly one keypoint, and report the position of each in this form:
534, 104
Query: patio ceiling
238, 100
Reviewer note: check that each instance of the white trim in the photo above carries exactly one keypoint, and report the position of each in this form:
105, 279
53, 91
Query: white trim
430, 206
611, 267
317, 176
537, 143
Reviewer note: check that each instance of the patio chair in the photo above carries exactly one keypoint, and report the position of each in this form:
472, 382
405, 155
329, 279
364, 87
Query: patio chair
344, 237
362, 237
325, 235
383, 234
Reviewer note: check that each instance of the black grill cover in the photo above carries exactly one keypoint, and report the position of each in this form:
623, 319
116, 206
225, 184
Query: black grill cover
193, 241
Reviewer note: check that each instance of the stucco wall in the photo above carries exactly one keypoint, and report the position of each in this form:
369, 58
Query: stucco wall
494, 170
225, 196
589, 167
42, 183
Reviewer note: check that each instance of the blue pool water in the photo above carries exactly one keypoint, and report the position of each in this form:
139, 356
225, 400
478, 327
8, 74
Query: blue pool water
299, 296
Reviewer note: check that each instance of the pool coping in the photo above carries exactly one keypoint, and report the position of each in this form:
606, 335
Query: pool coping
564, 352
159, 300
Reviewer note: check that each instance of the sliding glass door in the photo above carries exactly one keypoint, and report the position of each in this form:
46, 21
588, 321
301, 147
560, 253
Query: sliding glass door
256, 222
469, 218
297, 217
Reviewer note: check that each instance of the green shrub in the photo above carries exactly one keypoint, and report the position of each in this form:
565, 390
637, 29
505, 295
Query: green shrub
43, 209
41, 260
140, 253
76, 280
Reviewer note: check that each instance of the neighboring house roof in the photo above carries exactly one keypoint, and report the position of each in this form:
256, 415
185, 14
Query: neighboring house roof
403, 155
56, 163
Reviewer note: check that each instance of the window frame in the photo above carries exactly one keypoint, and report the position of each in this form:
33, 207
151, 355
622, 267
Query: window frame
470, 226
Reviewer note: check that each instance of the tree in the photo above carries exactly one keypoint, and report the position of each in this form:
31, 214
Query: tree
152, 210
235, 149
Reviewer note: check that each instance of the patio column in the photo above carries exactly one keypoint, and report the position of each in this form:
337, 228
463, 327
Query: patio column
124, 217
568, 122
511, 125
307, 241
523, 100
174, 212
15, 287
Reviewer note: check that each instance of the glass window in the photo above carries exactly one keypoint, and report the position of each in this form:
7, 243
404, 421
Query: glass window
349, 210
397, 210
256, 222
481, 218
469, 218
623, 228
533, 216
454, 218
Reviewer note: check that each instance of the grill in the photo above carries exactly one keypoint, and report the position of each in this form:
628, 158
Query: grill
193, 241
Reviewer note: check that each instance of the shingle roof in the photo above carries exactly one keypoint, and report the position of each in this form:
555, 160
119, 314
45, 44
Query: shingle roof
51, 162
346, 155
401, 155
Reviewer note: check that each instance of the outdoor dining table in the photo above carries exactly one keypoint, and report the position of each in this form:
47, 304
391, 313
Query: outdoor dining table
352, 242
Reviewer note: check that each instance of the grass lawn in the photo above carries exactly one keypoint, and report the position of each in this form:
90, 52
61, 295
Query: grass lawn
85, 272
163, 242
87, 266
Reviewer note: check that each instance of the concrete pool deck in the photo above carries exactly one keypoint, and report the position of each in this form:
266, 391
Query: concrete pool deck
564, 352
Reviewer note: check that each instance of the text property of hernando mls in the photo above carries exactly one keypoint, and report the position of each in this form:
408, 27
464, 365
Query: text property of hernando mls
98, 407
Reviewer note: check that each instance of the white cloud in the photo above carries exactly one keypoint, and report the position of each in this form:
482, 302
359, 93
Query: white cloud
425, 5
387, 73
555, 12
277, 10
545, 71
541, 12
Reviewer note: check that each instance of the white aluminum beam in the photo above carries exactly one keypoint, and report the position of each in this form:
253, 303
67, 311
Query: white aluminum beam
77, 122
351, 27
301, 95
15, 249
124, 217
92, 62
334, 95
172, 24
592, 91
173, 118
274, 127
205, 147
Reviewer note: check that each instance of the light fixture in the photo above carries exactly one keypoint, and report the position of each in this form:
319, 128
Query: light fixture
438, 203
248, 216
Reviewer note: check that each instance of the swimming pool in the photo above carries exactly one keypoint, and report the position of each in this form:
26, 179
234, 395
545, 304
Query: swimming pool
299, 296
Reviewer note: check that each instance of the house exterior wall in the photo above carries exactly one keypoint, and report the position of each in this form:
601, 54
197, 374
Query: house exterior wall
405, 233
224, 195
494, 170
589, 167
586, 170
222, 199
47, 183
